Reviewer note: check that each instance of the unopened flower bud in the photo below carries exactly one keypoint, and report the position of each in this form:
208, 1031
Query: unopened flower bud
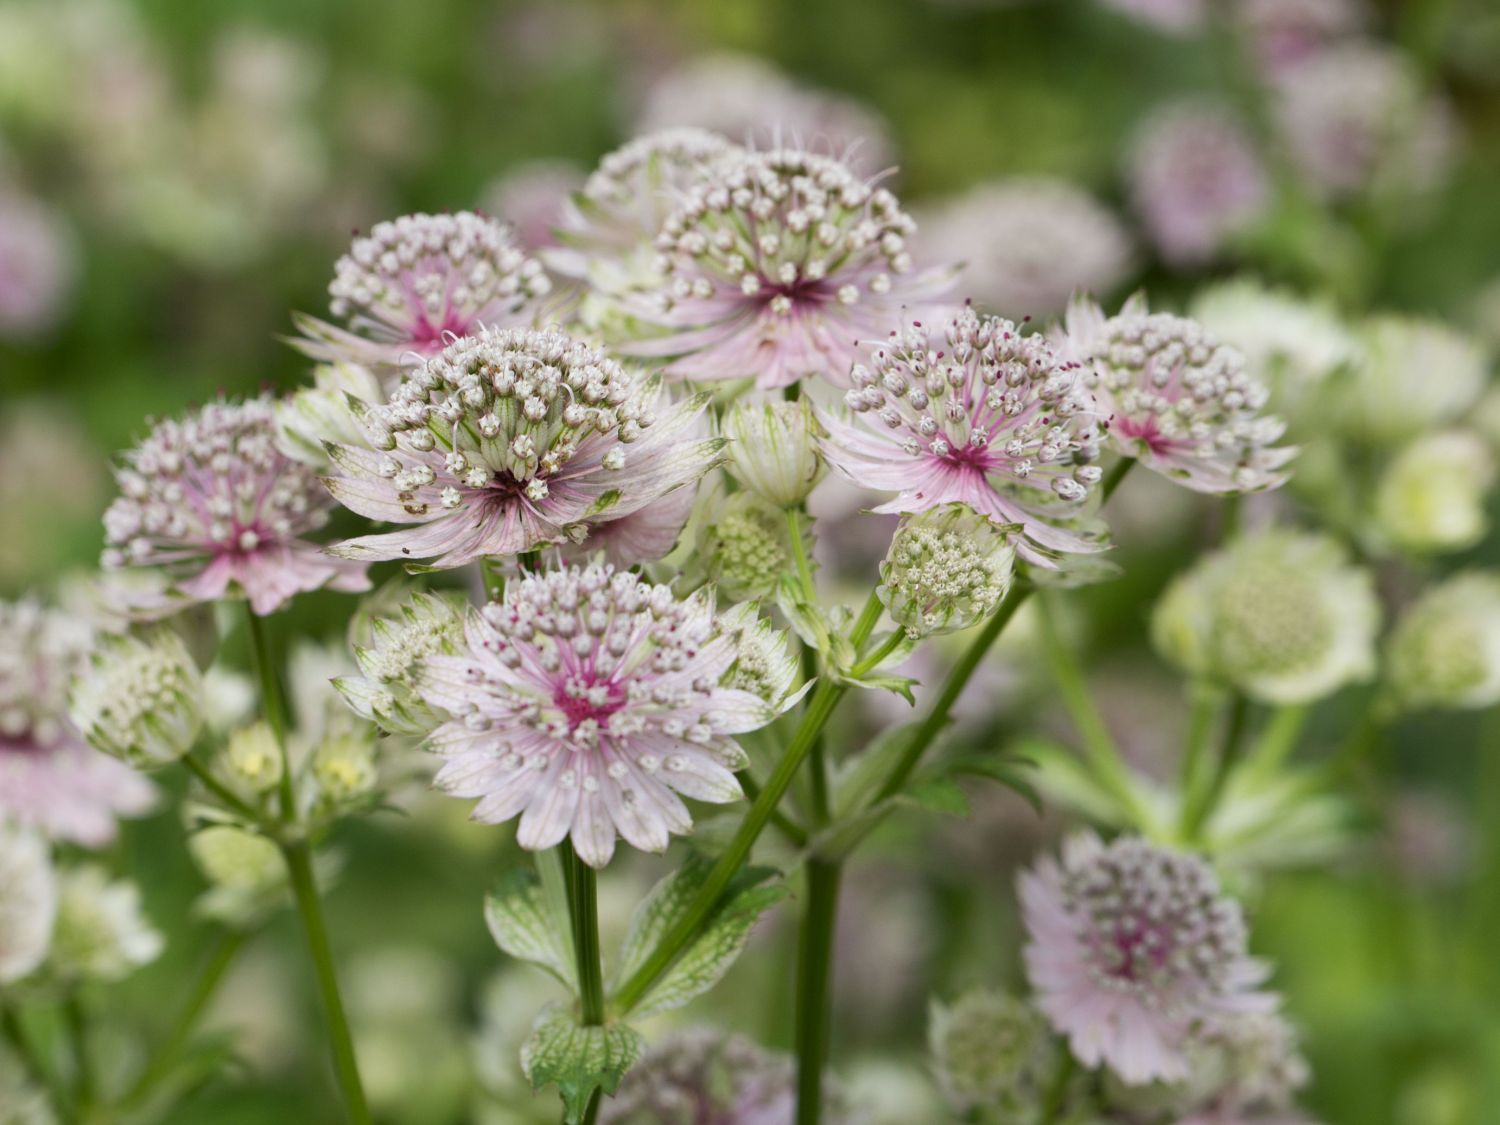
344, 767
252, 758
390, 653
1282, 617
991, 1049
946, 569
141, 700
1445, 649
101, 933
745, 546
773, 449
1431, 497
766, 665
1380, 404
237, 860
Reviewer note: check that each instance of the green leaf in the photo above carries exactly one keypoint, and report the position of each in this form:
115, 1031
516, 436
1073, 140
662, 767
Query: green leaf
860, 778
524, 923
1008, 770
576, 1059
719, 941
938, 794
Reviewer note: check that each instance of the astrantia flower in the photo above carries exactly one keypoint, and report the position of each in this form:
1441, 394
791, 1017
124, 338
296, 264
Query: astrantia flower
50, 779
1445, 649
531, 197
1282, 616
774, 264
414, 284
101, 932
947, 569
141, 700
608, 229
1131, 948
992, 1051
1028, 245
391, 653
1284, 32
744, 546
511, 440
1380, 403
1431, 497
28, 902
587, 702
643, 536
773, 449
311, 417
765, 663
1177, 400
1195, 180
973, 412
213, 506
707, 1077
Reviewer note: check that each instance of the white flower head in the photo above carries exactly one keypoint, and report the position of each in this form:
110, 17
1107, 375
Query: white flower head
390, 649
101, 932
744, 546
1431, 497
1282, 616
993, 1050
28, 902
1445, 648
773, 449
947, 568
252, 758
142, 700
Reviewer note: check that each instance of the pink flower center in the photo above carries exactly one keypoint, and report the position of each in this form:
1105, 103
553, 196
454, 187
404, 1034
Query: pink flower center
596, 701
1144, 430
429, 338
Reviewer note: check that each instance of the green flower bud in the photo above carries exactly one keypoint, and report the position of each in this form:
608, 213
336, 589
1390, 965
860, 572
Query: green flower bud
773, 450
745, 546
946, 569
1431, 497
1445, 649
252, 759
344, 768
236, 860
1281, 616
390, 651
141, 700
765, 663
993, 1051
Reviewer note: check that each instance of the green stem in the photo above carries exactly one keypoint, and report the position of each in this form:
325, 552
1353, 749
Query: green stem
34, 1059
799, 556
341, 1044
1057, 1092
953, 686
225, 950
1277, 741
1098, 744
272, 705
1203, 708
591, 1111
85, 1086
1112, 479
583, 913
796, 835
887, 646
227, 796
1198, 809
814, 984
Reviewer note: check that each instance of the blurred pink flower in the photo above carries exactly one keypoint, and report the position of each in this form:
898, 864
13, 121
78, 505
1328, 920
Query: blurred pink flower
416, 283
531, 197
216, 509
774, 265
587, 701
511, 440
50, 779
1175, 17
1284, 32
1131, 948
1176, 399
1196, 180
38, 263
978, 413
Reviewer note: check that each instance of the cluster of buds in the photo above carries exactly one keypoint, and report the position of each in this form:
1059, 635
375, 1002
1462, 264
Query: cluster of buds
142, 701
390, 662
992, 1050
1445, 649
773, 449
947, 569
744, 546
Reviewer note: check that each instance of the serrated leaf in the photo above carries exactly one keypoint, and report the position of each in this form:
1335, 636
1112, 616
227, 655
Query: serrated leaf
576, 1059
525, 925
719, 942
939, 795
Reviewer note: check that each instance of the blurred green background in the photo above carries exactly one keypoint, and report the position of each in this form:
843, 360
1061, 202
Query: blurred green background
209, 161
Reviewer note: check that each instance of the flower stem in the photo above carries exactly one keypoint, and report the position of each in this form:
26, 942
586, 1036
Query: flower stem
583, 912
814, 984
227, 796
888, 646
341, 1044
272, 705
803, 564
1098, 744
1199, 807
1057, 1092
34, 1059
1116, 474
225, 950
84, 1085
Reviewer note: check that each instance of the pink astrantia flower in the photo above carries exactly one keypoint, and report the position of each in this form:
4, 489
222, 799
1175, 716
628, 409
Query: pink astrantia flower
1176, 399
608, 229
414, 284
643, 536
50, 779
973, 412
589, 703
512, 440
1132, 949
213, 506
774, 265
1196, 180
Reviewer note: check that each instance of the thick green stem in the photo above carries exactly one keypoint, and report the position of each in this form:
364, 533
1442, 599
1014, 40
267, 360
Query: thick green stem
1098, 744
886, 647
814, 984
85, 1086
1116, 474
161, 1064
272, 705
1277, 741
340, 1042
795, 834
1057, 1092
583, 913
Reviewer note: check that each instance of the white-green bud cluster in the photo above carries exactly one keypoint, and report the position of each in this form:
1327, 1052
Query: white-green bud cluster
390, 660
28, 902
101, 933
766, 664
1431, 497
745, 546
1412, 374
1445, 649
141, 700
252, 759
344, 768
773, 449
1281, 616
946, 569
991, 1050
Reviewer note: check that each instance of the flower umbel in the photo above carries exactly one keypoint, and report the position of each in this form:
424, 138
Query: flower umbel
1132, 947
1177, 400
142, 702
947, 569
773, 449
414, 284
587, 702
975, 413
391, 657
774, 264
213, 505
511, 440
